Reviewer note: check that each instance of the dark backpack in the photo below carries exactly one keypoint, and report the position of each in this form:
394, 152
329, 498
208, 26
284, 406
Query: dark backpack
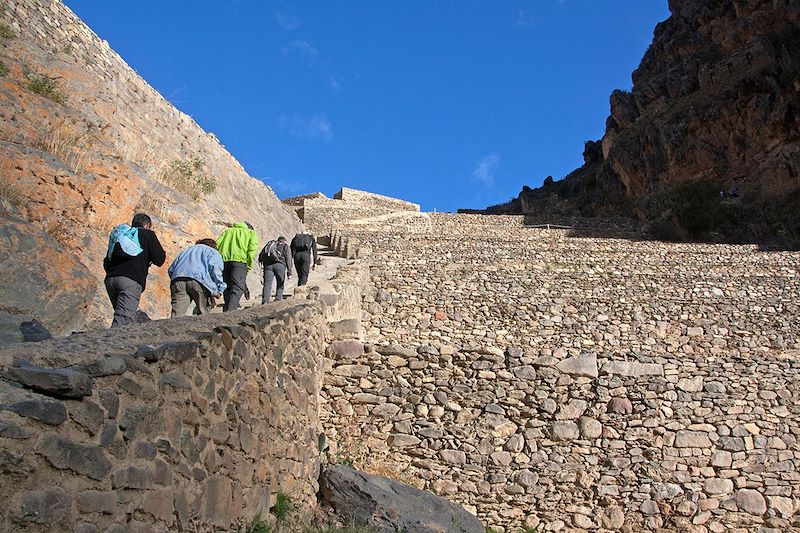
271, 253
304, 243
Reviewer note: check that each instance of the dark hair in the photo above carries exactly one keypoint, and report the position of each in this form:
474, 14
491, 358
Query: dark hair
140, 220
249, 225
208, 242
282, 238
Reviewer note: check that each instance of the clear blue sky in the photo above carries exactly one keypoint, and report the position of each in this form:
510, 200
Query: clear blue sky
449, 104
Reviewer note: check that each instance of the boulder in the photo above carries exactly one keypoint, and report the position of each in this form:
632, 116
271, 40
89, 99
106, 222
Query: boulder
36, 301
387, 505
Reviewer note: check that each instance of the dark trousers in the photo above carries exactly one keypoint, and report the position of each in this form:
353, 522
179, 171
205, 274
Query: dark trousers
235, 277
302, 264
184, 291
124, 294
277, 271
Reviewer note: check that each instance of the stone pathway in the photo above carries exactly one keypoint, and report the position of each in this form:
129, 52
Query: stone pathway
319, 275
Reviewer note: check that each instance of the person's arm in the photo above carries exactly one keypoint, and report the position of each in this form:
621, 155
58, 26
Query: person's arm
157, 253
252, 249
288, 255
215, 267
314, 248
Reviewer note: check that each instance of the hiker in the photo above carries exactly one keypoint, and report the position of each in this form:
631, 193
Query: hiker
303, 245
276, 258
196, 277
131, 251
238, 246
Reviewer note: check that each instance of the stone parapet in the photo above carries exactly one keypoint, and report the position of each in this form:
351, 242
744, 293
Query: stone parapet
192, 423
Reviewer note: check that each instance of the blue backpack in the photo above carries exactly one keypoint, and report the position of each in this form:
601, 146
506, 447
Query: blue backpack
128, 239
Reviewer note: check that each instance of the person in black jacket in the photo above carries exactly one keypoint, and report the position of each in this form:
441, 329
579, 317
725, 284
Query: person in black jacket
126, 274
303, 245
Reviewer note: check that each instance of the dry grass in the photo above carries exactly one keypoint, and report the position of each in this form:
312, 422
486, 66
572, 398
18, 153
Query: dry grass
9, 187
188, 176
138, 152
68, 143
158, 208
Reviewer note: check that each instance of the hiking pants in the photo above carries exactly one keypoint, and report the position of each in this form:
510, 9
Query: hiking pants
277, 271
302, 264
235, 276
124, 294
184, 291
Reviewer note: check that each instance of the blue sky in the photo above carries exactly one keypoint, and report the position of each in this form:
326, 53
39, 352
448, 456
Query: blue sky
445, 103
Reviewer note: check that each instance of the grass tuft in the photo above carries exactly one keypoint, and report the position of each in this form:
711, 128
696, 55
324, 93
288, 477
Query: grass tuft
188, 176
284, 507
259, 525
47, 87
6, 32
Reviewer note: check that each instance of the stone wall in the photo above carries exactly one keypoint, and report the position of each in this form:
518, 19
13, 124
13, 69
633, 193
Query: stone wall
184, 424
192, 423
574, 384
321, 215
87, 163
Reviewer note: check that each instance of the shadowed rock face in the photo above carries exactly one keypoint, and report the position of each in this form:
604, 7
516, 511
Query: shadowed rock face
38, 279
716, 99
389, 505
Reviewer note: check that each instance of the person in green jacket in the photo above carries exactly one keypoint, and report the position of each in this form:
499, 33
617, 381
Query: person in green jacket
238, 245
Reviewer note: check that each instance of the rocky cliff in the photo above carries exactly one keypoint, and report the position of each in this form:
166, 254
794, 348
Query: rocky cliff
715, 108
84, 143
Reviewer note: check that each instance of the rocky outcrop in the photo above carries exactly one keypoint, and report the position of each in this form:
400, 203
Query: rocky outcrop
716, 101
39, 282
85, 142
387, 505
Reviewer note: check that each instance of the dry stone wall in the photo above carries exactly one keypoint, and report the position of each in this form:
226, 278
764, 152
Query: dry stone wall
575, 384
321, 215
184, 424
88, 163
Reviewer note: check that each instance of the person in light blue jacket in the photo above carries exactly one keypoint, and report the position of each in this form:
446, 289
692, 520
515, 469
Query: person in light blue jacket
196, 276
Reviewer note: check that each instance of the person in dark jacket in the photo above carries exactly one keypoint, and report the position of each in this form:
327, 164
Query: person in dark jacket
303, 246
276, 258
131, 251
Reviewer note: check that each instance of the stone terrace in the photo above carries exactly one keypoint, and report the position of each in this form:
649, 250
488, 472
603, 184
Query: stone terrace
571, 383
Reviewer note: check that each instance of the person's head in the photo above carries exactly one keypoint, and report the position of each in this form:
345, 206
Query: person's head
208, 242
281, 239
140, 220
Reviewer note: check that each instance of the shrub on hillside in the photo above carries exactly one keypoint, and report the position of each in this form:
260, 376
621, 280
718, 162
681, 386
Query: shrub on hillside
6, 32
691, 211
47, 87
188, 176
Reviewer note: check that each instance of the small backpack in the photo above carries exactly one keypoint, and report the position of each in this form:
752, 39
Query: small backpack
271, 254
305, 243
128, 239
